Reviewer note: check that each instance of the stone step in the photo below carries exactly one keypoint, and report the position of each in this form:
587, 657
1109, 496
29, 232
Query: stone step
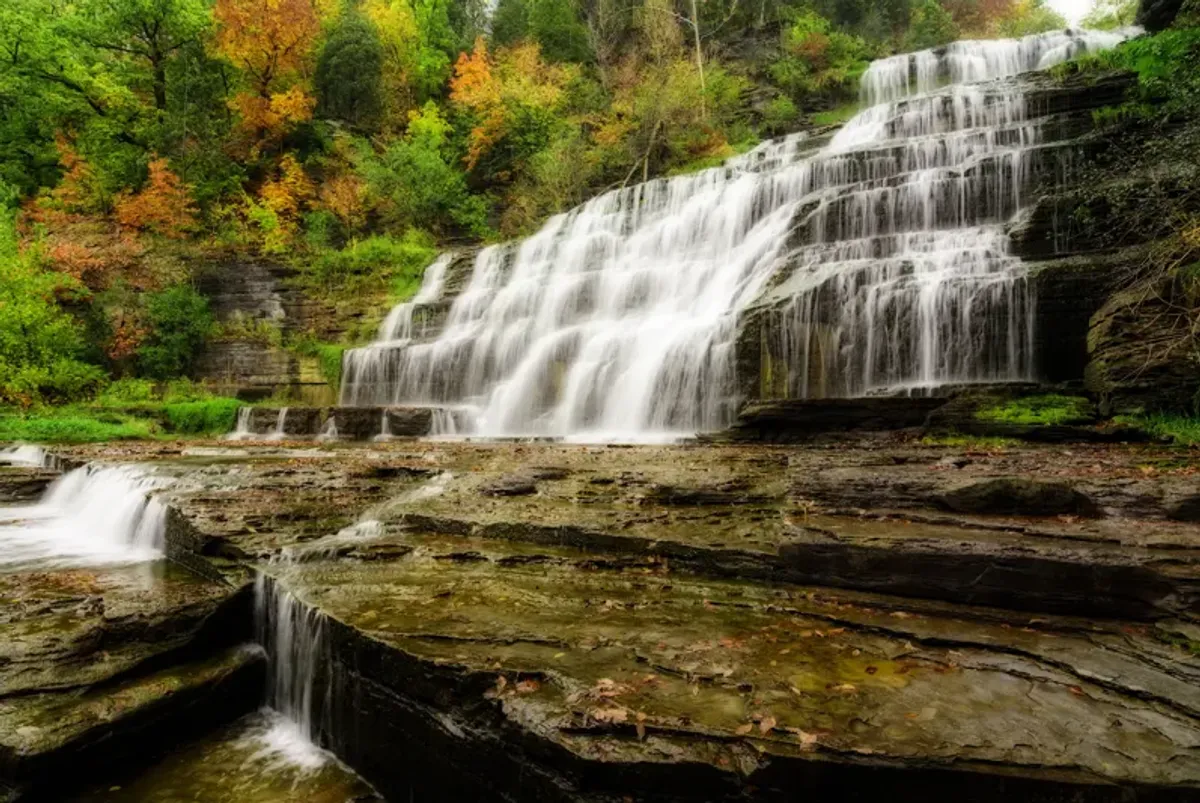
101, 666
478, 669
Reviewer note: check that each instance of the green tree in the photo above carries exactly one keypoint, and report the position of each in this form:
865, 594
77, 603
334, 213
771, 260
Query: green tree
40, 343
931, 26
180, 322
420, 181
1029, 17
349, 71
1107, 15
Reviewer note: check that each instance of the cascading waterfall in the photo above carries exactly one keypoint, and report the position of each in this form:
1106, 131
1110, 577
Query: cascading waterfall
95, 515
880, 257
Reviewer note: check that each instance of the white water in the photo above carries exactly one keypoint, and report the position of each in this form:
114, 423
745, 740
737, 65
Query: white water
617, 320
242, 431
280, 432
95, 515
293, 635
24, 454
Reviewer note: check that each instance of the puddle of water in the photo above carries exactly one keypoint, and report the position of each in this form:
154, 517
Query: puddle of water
262, 758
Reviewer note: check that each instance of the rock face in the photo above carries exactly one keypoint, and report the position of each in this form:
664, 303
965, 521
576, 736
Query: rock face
1142, 353
880, 617
253, 304
103, 667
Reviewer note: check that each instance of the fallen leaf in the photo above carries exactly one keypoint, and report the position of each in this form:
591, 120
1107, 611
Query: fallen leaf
742, 730
767, 724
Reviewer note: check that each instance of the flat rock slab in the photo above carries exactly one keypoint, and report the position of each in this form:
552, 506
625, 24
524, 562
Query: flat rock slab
53, 738
70, 628
554, 622
626, 663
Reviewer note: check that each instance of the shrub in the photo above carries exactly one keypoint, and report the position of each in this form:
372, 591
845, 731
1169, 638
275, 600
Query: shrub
395, 261
180, 323
207, 417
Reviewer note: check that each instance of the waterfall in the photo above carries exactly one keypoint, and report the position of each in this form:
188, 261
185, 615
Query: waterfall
878, 260
280, 432
242, 431
293, 636
95, 515
29, 456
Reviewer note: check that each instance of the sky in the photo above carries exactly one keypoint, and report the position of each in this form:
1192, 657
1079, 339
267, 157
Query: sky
1073, 10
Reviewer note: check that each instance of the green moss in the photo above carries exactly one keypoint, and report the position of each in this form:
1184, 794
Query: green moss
328, 356
1050, 409
969, 441
836, 116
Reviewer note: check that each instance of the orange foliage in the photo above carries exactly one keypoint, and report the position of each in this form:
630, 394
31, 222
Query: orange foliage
269, 39
162, 206
274, 116
475, 87
127, 335
488, 86
344, 196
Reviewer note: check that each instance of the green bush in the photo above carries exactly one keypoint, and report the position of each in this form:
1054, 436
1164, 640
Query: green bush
1182, 430
398, 262
68, 426
180, 323
209, 417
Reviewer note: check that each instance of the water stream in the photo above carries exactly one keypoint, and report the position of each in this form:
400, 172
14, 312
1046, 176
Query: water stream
880, 256
93, 516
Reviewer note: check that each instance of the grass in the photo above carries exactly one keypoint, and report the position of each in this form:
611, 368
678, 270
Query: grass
1182, 430
73, 426
130, 409
836, 116
1051, 409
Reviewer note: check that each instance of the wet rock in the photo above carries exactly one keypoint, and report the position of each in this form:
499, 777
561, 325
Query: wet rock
48, 741
570, 680
1141, 357
1019, 497
798, 419
1185, 509
512, 485
19, 484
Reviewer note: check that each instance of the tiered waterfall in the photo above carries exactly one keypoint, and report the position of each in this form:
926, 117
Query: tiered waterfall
880, 256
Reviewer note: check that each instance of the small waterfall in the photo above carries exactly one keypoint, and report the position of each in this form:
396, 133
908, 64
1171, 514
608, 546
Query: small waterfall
398, 325
879, 262
280, 432
385, 427
293, 636
242, 431
329, 432
26, 455
95, 515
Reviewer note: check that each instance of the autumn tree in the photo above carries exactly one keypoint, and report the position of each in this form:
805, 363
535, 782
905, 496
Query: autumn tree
271, 41
162, 206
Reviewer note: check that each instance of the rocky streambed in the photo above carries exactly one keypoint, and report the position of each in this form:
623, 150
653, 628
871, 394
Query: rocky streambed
520, 621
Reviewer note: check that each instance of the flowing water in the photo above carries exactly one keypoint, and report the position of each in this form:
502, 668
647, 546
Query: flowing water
880, 258
92, 516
